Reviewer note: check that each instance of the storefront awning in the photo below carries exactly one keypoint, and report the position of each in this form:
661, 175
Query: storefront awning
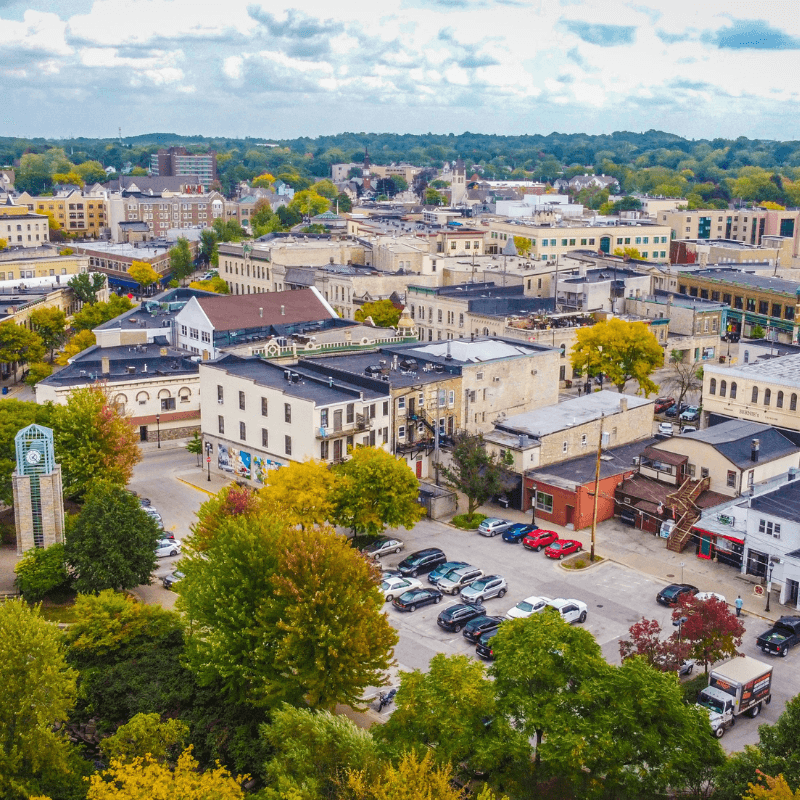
730, 538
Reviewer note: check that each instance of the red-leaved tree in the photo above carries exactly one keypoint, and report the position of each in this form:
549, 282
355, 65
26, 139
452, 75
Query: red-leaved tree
709, 628
645, 640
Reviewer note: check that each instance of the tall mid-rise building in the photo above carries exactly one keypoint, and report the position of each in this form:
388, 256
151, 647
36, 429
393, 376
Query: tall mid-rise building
176, 161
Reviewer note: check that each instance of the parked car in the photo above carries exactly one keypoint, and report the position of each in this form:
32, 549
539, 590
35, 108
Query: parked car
484, 588
381, 547
570, 610
670, 595
674, 410
666, 428
484, 646
662, 404
781, 637
391, 573
475, 628
517, 532
689, 429
527, 607
170, 580
394, 587
458, 579
168, 547
412, 600
455, 617
692, 414
708, 595
563, 547
443, 569
539, 538
421, 561
491, 526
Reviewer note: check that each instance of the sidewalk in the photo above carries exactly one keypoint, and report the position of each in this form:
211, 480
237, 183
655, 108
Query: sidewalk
648, 554
198, 479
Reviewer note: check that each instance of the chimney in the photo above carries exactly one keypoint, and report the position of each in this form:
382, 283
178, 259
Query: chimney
623, 404
106, 365
755, 446
283, 311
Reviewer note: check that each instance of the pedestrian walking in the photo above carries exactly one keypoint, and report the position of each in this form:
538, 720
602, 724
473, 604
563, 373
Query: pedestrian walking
739, 603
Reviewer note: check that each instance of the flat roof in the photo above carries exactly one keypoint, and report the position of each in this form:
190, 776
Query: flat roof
569, 414
784, 370
748, 279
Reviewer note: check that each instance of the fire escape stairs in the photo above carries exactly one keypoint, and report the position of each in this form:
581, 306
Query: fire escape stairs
686, 512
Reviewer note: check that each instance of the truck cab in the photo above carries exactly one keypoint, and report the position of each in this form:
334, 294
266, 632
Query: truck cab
720, 706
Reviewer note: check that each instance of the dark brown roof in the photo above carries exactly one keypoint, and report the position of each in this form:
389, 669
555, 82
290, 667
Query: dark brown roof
710, 499
641, 488
664, 456
234, 311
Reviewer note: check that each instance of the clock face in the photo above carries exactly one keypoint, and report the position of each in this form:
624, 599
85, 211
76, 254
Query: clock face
33, 456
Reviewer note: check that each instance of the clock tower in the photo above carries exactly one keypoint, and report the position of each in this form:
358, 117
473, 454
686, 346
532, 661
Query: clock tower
38, 499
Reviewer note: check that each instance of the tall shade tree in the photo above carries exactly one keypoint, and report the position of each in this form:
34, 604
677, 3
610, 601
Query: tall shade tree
231, 501
383, 313
18, 345
621, 350
180, 260
473, 471
51, 324
146, 735
277, 614
92, 315
112, 544
308, 203
143, 274
709, 628
38, 690
148, 779
87, 285
77, 344
645, 641
686, 377
302, 494
92, 440
375, 490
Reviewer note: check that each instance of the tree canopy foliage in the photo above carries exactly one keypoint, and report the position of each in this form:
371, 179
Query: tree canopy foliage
383, 313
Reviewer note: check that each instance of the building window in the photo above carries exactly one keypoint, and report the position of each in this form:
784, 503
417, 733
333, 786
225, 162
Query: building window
287, 412
779, 400
220, 396
767, 396
183, 330
242, 431
754, 395
264, 406
194, 333
703, 472
324, 450
221, 424
205, 336
241, 401
287, 445
733, 390
401, 432
386, 407
565, 447
712, 386
583, 440
544, 502
770, 528
723, 388
264, 437
167, 403
731, 479
401, 404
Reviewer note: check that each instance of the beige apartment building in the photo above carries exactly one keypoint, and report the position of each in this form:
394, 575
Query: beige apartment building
553, 242
22, 229
45, 263
79, 213
748, 225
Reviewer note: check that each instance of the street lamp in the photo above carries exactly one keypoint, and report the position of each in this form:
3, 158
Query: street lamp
158, 429
773, 560
682, 565
533, 504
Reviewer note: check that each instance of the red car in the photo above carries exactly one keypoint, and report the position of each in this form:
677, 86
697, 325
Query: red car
662, 404
563, 547
539, 538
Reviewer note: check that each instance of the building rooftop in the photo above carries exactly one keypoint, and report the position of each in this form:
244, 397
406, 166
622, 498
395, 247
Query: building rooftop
298, 381
747, 280
139, 250
155, 312
569, 414
784, 370
781, 502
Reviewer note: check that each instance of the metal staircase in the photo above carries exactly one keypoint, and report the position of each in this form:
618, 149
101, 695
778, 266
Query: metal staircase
687, 513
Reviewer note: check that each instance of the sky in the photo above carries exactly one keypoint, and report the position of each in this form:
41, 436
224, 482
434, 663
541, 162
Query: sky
697, 68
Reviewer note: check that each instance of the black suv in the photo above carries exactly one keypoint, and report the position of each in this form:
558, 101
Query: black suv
456, 616
670, 595
421, 561
484, 647
475, 628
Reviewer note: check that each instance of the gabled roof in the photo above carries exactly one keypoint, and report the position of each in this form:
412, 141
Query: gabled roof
237, 311
733, 440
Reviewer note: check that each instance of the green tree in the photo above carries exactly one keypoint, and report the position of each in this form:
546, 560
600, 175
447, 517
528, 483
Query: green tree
37, 372
344, 202
262, 214
77, 344
228, 231
143, 274
180, 259
621, 350
92, 440
38, 692
208, 241
325, 188
231, 501
474, 472
308, 203
216, 284
433, 198
289, 217
92, 315
91, 172
51, 324
3, 244
447, 709
145, 735
40, 571
195, 446
86, 285
18, 345
278, 614
383, 313
312, 752
375, 490
112, 543
756, 332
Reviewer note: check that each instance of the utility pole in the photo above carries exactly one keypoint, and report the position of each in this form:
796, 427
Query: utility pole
596, 486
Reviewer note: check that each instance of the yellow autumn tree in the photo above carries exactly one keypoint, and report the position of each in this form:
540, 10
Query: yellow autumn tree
302, 494
143, 273
775, 789
145, 779
79, 342
629, 252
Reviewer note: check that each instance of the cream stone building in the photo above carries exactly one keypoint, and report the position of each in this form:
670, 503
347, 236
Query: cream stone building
20, 228
44, 262
83, 213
